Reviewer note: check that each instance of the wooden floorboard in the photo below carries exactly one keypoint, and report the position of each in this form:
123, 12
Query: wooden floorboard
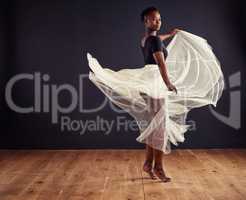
201, 174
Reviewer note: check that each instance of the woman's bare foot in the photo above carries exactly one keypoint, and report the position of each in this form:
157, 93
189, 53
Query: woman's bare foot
158, 170
147, 167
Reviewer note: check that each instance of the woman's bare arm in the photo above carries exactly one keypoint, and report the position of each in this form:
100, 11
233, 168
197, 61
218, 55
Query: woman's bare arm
160, 60
165, 36
168, 35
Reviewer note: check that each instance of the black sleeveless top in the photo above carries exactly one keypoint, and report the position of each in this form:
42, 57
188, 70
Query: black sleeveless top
152, 44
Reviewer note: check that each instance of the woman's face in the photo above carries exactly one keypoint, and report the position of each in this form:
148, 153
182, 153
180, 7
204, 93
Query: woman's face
153, 21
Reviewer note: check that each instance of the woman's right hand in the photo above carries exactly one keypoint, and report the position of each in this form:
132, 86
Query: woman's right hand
171, 87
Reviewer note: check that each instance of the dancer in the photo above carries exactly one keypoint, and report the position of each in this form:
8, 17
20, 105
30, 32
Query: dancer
154, 52
175, 79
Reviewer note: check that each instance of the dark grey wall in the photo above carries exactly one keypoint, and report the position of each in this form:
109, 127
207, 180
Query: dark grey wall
3, 58
3, 45
52, 37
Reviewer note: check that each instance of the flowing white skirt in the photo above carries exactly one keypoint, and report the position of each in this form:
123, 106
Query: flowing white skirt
161, 114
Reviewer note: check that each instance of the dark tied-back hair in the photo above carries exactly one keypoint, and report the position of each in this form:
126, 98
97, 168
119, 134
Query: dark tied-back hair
148, 10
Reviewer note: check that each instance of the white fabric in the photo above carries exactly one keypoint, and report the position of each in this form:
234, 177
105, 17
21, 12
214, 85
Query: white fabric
161, 114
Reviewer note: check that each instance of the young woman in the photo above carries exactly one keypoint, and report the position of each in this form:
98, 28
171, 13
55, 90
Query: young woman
154, 52
147, 92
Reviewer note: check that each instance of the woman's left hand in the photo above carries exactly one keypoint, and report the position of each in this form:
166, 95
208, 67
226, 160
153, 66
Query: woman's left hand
168, 35
174, 31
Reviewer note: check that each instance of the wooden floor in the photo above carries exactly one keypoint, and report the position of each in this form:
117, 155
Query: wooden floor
117, 174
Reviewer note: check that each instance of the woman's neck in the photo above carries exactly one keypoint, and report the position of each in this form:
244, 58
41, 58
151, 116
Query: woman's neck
149, 32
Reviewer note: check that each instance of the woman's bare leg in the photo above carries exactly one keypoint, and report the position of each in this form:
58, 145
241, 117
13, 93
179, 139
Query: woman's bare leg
154, 154
148, 164
158, 166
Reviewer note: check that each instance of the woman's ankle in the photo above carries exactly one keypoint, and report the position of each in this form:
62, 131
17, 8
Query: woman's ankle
158, 165
148, 160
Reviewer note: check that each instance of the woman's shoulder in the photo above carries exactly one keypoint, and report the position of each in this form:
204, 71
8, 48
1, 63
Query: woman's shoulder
154, 39
155, 36
151, 39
